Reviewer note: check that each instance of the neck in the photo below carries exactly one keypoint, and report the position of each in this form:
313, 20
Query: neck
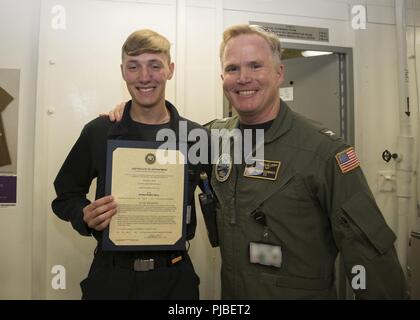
158, 114
262, 117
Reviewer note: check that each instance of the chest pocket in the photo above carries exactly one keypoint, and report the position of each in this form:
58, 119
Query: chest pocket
269, 199
259, 191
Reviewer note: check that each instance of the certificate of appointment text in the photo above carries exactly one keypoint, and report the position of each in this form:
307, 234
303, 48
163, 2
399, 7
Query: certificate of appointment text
150, 197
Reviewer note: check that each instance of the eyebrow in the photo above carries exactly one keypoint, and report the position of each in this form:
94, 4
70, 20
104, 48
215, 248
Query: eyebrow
255, 61
230, 65
148, 61
154, 61
247, 63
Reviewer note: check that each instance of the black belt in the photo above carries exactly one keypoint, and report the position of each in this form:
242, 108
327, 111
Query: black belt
141, 261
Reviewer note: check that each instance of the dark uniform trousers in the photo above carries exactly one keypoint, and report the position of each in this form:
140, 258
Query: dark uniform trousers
113, 276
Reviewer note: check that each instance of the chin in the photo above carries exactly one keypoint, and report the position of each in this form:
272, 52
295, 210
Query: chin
148, 105
145, 104
246, 109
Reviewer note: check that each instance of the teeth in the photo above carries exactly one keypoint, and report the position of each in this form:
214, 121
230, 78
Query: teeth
145, 89
246, 93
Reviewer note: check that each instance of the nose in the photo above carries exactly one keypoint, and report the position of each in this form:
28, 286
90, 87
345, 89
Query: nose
243, 77
144, 75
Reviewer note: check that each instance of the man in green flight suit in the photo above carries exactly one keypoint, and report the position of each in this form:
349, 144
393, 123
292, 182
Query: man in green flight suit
282, 225
283, 218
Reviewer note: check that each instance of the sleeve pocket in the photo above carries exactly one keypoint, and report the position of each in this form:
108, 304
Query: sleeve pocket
366, 219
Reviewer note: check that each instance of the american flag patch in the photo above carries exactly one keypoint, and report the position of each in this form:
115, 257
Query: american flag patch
347, 160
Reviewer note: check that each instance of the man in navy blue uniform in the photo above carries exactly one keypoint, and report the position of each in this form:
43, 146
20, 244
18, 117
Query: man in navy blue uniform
146, 66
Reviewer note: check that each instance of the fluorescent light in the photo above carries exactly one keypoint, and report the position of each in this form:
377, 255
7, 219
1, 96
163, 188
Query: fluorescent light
315, 53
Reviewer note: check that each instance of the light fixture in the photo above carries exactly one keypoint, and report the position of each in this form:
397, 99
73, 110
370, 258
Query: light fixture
315, 53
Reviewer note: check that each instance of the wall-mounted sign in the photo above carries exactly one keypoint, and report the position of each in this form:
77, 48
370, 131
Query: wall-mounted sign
9, 105
287, 94
5, 99
286, 31
7, 190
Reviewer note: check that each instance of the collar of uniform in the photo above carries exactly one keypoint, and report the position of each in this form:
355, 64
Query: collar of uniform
175, 118
281, 124
232, 122
121, 128
174, 123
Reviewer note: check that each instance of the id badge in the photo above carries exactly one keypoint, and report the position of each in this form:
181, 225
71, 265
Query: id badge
265, 254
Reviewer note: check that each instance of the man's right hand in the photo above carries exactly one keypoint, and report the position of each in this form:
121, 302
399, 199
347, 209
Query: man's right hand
116, 113
98, 214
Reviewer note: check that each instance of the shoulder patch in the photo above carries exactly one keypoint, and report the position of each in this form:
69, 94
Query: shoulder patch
218, 123
329, 133
347, 160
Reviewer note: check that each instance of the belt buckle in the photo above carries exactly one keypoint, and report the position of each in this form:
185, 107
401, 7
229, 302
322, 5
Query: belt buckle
144, 265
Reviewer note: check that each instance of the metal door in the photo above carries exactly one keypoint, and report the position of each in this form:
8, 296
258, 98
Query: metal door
312, 87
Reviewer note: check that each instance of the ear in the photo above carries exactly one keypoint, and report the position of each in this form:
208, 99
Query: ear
171, 70
221, 76
280, 73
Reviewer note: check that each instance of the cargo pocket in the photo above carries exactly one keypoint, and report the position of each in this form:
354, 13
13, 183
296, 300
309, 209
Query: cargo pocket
273, 286
365, 222
296, 282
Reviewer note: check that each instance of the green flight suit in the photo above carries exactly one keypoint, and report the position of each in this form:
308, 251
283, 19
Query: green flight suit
313, 210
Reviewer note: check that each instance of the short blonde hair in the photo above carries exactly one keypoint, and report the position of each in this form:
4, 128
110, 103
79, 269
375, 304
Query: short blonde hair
272, 40
146, 41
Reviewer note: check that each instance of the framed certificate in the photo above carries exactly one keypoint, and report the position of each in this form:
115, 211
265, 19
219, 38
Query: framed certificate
150, 186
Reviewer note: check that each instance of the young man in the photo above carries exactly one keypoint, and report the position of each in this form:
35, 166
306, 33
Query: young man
146, 66
283, 220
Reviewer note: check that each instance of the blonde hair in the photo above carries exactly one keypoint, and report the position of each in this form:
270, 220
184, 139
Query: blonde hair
146, 41
272, 40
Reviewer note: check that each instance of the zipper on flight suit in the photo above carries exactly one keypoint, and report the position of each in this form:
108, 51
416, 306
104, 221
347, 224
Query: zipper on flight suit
235, 168
236, 171
233, 201
260, 218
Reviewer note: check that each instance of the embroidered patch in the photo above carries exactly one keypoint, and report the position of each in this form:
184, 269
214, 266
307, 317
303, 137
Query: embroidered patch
347, 160
262, 169
329, 133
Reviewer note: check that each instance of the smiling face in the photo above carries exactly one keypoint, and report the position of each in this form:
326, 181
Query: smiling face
146, 75
252, 78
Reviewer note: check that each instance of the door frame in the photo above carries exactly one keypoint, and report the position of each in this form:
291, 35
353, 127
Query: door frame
346, 86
